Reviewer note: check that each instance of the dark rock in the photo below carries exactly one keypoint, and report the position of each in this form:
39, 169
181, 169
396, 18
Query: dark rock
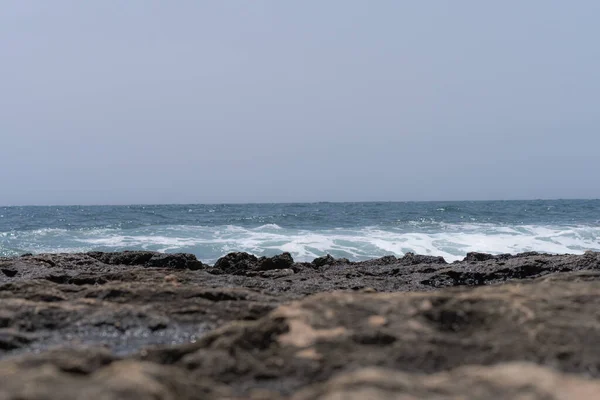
247, 264
175, 261
329, 260
409, 259
281, 261
123, 258
149, 259
9, 272
387, 260
11, 339
503, 268
236, 263
325, 260
415, 259
473, 256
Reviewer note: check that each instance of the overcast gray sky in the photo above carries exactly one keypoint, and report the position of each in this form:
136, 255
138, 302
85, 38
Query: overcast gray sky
139, 101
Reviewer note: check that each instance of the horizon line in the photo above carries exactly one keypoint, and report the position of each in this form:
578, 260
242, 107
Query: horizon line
294, 202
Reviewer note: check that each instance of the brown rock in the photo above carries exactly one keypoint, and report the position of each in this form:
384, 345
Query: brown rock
511, 381
146, 325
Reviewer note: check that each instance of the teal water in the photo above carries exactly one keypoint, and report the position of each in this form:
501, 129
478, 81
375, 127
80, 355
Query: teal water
353, 230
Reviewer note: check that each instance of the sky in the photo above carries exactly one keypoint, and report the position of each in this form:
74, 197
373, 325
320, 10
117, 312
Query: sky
189, 101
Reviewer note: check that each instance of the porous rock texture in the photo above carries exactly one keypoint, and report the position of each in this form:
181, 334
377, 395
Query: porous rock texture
166, 326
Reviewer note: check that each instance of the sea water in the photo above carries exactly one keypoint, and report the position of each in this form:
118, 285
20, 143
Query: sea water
356, 231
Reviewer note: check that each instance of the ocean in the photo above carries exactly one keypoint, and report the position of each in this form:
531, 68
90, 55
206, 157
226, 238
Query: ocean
357, 231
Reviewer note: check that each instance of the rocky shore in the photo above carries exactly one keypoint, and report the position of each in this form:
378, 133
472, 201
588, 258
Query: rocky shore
147, 325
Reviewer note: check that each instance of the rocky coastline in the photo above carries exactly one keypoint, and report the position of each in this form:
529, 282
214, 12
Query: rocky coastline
149, 325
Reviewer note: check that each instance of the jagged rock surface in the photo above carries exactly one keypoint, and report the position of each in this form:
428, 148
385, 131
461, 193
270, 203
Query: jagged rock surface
150, 325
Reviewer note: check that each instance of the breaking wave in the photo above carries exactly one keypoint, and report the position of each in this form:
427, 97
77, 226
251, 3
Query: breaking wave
208, 243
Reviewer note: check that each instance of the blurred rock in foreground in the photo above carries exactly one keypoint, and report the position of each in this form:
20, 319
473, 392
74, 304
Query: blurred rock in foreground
147, 325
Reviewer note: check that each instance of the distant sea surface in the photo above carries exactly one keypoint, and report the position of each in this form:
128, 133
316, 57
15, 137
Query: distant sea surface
357, 231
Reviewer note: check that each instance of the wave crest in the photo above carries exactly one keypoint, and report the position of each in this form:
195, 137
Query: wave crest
451, 241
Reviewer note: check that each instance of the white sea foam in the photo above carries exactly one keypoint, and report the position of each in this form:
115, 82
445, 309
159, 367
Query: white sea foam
451, 241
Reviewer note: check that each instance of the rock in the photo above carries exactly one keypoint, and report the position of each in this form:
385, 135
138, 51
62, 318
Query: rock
329, 260
473, 256
277, 273
409, 259
175, 261
11, 339
236, 263
546, 322
244, 263
71, 359
243, 270
123, 316
135, 324
119, 380
386, 260
9, 272
503, 381
123, 258
505, 267
415, 259
149, 259
281, 261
